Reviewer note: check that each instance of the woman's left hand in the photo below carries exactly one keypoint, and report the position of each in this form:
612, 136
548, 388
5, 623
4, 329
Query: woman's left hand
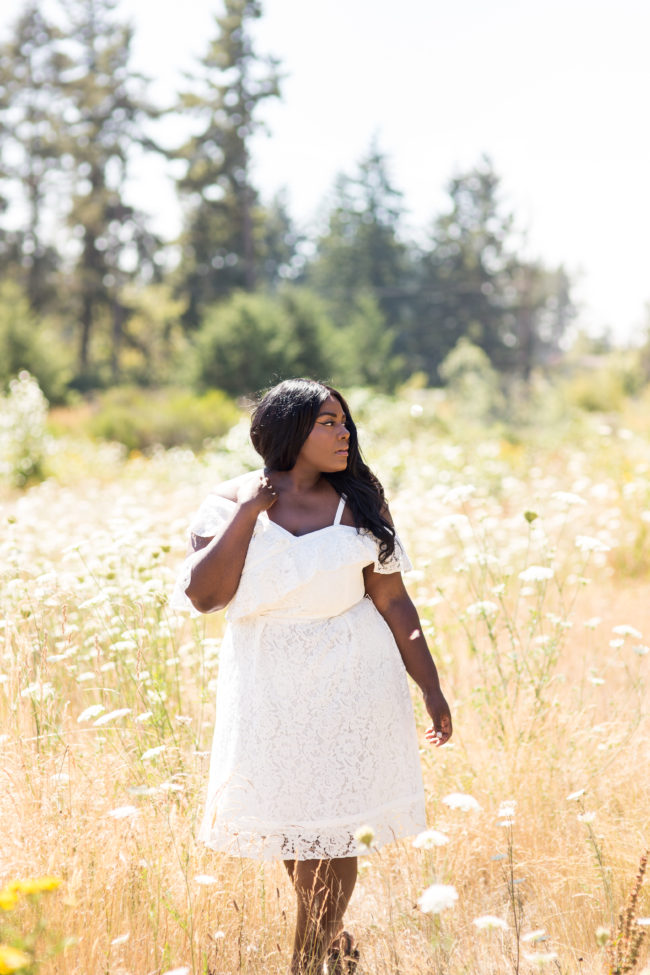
441, 729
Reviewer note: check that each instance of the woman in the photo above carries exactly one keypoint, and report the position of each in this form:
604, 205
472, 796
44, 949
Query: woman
315, 734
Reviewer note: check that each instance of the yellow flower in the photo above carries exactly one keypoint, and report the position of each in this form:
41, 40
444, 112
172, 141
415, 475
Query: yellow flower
36, 885
12, 959
8, 899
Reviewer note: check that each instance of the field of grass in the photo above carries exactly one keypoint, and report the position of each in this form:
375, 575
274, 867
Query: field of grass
532, 565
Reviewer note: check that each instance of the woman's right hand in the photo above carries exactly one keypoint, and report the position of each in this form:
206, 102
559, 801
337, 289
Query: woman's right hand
257, 492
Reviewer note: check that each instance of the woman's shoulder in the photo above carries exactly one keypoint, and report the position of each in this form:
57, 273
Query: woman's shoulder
229, 489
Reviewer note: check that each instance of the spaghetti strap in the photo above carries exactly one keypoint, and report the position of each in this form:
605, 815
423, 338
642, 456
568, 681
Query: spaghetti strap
339, 510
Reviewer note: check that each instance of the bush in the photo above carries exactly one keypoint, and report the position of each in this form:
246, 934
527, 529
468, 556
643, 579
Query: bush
31, 345
23, 436
141, 419
251, 341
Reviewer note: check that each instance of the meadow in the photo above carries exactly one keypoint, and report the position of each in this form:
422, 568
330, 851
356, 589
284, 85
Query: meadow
531, 567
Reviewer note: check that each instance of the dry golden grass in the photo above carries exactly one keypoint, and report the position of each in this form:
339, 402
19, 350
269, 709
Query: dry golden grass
86, 566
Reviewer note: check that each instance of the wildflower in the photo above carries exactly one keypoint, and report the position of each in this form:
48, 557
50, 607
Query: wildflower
507, 809
602, 935
593, 622
643, 921
437, 898
541, 958
586, 817
90, 712
183, 970
483, 608
365, 836
568, 498
585, 543
8, 899
37, 885
576, 795
152, 752
205, 880
488, 922
536, 573
462, 801
416, 410
641, 650
218, 935
121, 939
459, 494
430, 838
12, 959
111, 716
123, 812
624, 630
530, 516
533, 936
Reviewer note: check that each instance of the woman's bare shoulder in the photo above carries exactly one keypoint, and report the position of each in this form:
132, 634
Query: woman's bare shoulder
229, 489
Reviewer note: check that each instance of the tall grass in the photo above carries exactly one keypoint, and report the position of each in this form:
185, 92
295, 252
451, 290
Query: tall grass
533, 593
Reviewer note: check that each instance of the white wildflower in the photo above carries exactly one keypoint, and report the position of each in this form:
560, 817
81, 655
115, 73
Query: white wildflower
152, 752
183, 970
488, 922
38, 690
111, 716
624, 630
541, 958
121, 939
90, 712
507, 809
459, 494
145, 716
538, 935
586, 817
430, 838
536, 573
568, 498
416, 410
205, 880
643, 921
462, 801
437, 898
641, 650
576, 795
593, 622
123, 812
483, 608
585, 543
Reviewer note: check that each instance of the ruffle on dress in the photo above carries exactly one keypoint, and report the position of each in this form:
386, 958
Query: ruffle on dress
276, 562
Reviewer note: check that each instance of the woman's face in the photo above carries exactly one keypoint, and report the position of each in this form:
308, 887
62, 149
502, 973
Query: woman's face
326, 447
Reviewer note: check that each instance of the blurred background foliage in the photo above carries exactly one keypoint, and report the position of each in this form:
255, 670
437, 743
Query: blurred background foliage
132, 334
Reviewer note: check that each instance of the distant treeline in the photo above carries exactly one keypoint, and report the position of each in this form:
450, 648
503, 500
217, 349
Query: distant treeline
90, 296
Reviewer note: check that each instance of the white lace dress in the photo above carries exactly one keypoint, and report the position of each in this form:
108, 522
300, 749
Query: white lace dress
315, 734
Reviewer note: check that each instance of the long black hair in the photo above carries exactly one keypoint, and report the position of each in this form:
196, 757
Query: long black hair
282, 421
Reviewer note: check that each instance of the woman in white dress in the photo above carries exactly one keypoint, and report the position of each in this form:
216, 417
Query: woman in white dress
315, 735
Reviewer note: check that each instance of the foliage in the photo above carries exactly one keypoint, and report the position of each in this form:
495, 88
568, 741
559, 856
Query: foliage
23, 436
227, 241
28, 343
142, 419
251, 341
22, 950
472, 381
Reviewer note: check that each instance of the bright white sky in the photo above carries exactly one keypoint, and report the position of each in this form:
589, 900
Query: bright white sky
557, 93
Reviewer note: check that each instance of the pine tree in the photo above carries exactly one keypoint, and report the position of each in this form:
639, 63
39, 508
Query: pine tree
223, 245
30, 123
106, 112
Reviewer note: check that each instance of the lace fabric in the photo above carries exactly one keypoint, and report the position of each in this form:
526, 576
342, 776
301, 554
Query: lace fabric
314, 734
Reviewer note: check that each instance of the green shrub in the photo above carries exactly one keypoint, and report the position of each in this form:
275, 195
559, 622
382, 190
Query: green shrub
23, 436
143, 418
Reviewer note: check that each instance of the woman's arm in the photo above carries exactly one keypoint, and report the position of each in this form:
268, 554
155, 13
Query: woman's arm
394, 603
217, 570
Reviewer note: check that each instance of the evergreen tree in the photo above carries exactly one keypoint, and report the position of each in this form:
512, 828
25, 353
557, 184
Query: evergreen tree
223, 245
105, 115
30, 125
361, 253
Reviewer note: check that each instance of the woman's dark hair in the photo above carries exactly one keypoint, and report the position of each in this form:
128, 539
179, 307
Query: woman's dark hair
282, 421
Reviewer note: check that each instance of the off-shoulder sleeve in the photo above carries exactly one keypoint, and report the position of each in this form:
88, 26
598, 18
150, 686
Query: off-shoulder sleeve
211, 518
397, 562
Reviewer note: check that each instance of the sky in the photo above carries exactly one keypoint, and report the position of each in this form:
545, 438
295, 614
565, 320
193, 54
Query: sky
556, 93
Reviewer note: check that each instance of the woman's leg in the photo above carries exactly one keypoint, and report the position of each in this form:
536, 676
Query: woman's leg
323, 890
